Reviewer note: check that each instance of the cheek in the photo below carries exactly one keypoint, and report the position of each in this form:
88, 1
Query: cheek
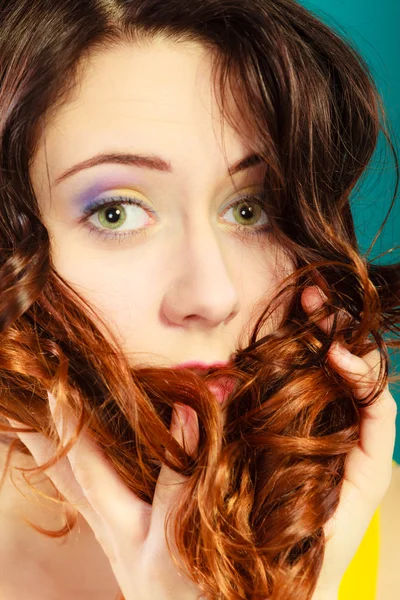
263, 273
119, 290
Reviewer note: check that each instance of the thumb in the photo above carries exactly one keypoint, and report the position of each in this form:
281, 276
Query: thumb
184, 427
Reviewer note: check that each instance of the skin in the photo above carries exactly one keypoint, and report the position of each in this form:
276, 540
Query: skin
185, 289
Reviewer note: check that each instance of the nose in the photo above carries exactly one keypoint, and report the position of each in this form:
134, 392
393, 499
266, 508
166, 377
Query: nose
201, 291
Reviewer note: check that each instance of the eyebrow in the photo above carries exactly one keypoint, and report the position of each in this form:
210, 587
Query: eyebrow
155, 163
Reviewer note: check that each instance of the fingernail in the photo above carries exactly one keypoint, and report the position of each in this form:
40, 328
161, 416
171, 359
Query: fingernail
182, 413
322, 294
52, 401
58, 420
338, 347
16, 425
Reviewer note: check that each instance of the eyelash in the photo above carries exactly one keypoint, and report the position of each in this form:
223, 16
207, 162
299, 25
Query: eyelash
246, 231
116, 201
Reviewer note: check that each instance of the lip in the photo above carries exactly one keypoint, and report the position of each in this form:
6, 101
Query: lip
201, 366
221, 388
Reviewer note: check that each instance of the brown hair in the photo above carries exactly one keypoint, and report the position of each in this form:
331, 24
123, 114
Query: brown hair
261, 488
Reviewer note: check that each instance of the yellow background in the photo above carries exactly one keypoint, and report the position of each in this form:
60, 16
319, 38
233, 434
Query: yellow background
361, 578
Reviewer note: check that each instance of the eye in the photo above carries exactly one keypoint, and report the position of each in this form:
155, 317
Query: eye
248, 212
121, 214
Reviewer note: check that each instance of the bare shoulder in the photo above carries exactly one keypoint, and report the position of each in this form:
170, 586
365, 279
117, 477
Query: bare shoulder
71, 567
389, 554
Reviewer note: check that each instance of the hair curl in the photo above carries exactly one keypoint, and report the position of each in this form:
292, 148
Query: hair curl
261, 487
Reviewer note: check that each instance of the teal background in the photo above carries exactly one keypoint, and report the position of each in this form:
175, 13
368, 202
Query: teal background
374, 29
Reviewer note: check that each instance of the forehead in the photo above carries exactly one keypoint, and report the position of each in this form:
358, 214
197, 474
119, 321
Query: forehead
157, 97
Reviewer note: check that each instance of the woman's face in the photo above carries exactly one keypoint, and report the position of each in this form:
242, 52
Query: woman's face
178, 276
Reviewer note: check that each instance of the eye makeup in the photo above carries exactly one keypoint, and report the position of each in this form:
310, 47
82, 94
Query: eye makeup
114, 182
118, 188
113, 196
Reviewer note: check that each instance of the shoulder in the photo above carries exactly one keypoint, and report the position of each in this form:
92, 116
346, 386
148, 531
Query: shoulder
389, 552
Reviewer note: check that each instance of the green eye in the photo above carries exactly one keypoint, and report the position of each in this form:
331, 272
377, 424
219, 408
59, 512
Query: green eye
247, 213
112, 217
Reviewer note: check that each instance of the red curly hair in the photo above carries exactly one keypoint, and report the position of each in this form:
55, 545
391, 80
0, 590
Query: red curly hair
260, 487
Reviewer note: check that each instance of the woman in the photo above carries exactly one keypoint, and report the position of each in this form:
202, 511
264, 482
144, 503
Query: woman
176, 234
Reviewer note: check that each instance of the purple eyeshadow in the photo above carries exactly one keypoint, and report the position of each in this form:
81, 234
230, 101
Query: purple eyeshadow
89, 194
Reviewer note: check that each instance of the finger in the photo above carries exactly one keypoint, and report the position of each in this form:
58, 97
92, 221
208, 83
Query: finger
378, 421
184, 428
354, 369
377, 435
117, 507
312, 300
368, 470
60, 474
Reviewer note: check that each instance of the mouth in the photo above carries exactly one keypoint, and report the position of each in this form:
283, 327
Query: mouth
202, 368
221, 386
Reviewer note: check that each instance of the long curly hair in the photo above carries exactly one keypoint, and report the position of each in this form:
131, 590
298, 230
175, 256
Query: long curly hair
261, 486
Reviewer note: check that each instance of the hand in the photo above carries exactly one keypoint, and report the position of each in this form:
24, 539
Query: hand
368, 467
130, 531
